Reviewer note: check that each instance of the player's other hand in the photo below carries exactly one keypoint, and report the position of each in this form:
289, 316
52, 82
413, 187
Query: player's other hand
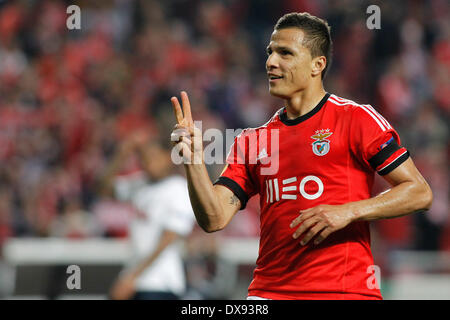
321, 221
186, 137
124, 288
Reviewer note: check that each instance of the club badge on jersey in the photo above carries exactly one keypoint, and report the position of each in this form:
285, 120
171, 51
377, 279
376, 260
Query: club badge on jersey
321, 146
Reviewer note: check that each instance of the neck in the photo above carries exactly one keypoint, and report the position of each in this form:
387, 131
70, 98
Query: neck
303, 101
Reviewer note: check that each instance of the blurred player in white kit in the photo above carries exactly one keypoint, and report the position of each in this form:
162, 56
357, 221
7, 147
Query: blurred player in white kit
164, 218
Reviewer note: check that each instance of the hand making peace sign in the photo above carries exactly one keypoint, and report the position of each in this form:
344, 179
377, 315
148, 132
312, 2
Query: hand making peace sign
186, 137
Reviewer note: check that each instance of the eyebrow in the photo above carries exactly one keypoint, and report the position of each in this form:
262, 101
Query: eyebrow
279, 48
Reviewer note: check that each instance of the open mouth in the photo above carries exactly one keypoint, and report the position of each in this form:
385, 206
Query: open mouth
271, 77
274, 78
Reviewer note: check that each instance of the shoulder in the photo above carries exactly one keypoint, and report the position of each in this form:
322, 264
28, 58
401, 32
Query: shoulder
345, 105
358, 112
272, 123
175, 182
169, 185
176, 188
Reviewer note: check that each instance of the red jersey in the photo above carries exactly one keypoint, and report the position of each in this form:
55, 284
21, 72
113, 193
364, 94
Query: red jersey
327, 156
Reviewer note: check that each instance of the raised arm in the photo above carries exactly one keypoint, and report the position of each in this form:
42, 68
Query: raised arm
213, 205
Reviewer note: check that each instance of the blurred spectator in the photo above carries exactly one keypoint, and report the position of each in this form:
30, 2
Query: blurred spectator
163, 218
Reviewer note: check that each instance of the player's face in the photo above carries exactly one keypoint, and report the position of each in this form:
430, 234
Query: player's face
289, 63
158, 162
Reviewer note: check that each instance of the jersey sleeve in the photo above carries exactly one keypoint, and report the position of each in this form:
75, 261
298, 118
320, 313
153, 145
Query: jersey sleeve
375, 142
236, 175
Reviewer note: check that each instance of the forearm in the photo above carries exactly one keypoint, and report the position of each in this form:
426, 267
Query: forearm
403, 199
166, 240
410, 193
204, 200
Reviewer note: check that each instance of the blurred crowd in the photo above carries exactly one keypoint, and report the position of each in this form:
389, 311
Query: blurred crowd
68, 98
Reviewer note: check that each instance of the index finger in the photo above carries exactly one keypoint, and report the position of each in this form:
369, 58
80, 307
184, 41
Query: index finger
177, 109
186, 107
302, 217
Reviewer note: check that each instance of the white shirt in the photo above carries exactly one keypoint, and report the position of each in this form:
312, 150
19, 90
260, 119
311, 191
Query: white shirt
163, 205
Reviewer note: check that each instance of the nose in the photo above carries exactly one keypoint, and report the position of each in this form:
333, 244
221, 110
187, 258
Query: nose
271, 62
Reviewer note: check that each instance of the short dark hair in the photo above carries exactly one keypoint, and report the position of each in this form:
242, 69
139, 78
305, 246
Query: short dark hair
317, 34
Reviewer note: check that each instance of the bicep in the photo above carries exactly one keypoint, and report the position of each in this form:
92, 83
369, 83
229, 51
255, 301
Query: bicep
410, 192
408, 175
405, 172
229, 201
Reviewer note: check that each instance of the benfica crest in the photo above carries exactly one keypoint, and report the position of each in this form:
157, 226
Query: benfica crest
321, 146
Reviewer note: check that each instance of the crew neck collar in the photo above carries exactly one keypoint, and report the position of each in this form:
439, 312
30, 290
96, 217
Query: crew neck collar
293, 122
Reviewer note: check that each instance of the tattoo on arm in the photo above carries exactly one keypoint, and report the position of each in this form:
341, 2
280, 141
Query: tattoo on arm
234, 200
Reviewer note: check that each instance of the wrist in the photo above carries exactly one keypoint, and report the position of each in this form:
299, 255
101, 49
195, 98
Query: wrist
196, 161
134, 274
355, 213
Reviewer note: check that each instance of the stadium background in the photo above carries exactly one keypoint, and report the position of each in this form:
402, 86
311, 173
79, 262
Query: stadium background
68, 97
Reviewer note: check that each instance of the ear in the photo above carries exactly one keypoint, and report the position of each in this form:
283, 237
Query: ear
318, 65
